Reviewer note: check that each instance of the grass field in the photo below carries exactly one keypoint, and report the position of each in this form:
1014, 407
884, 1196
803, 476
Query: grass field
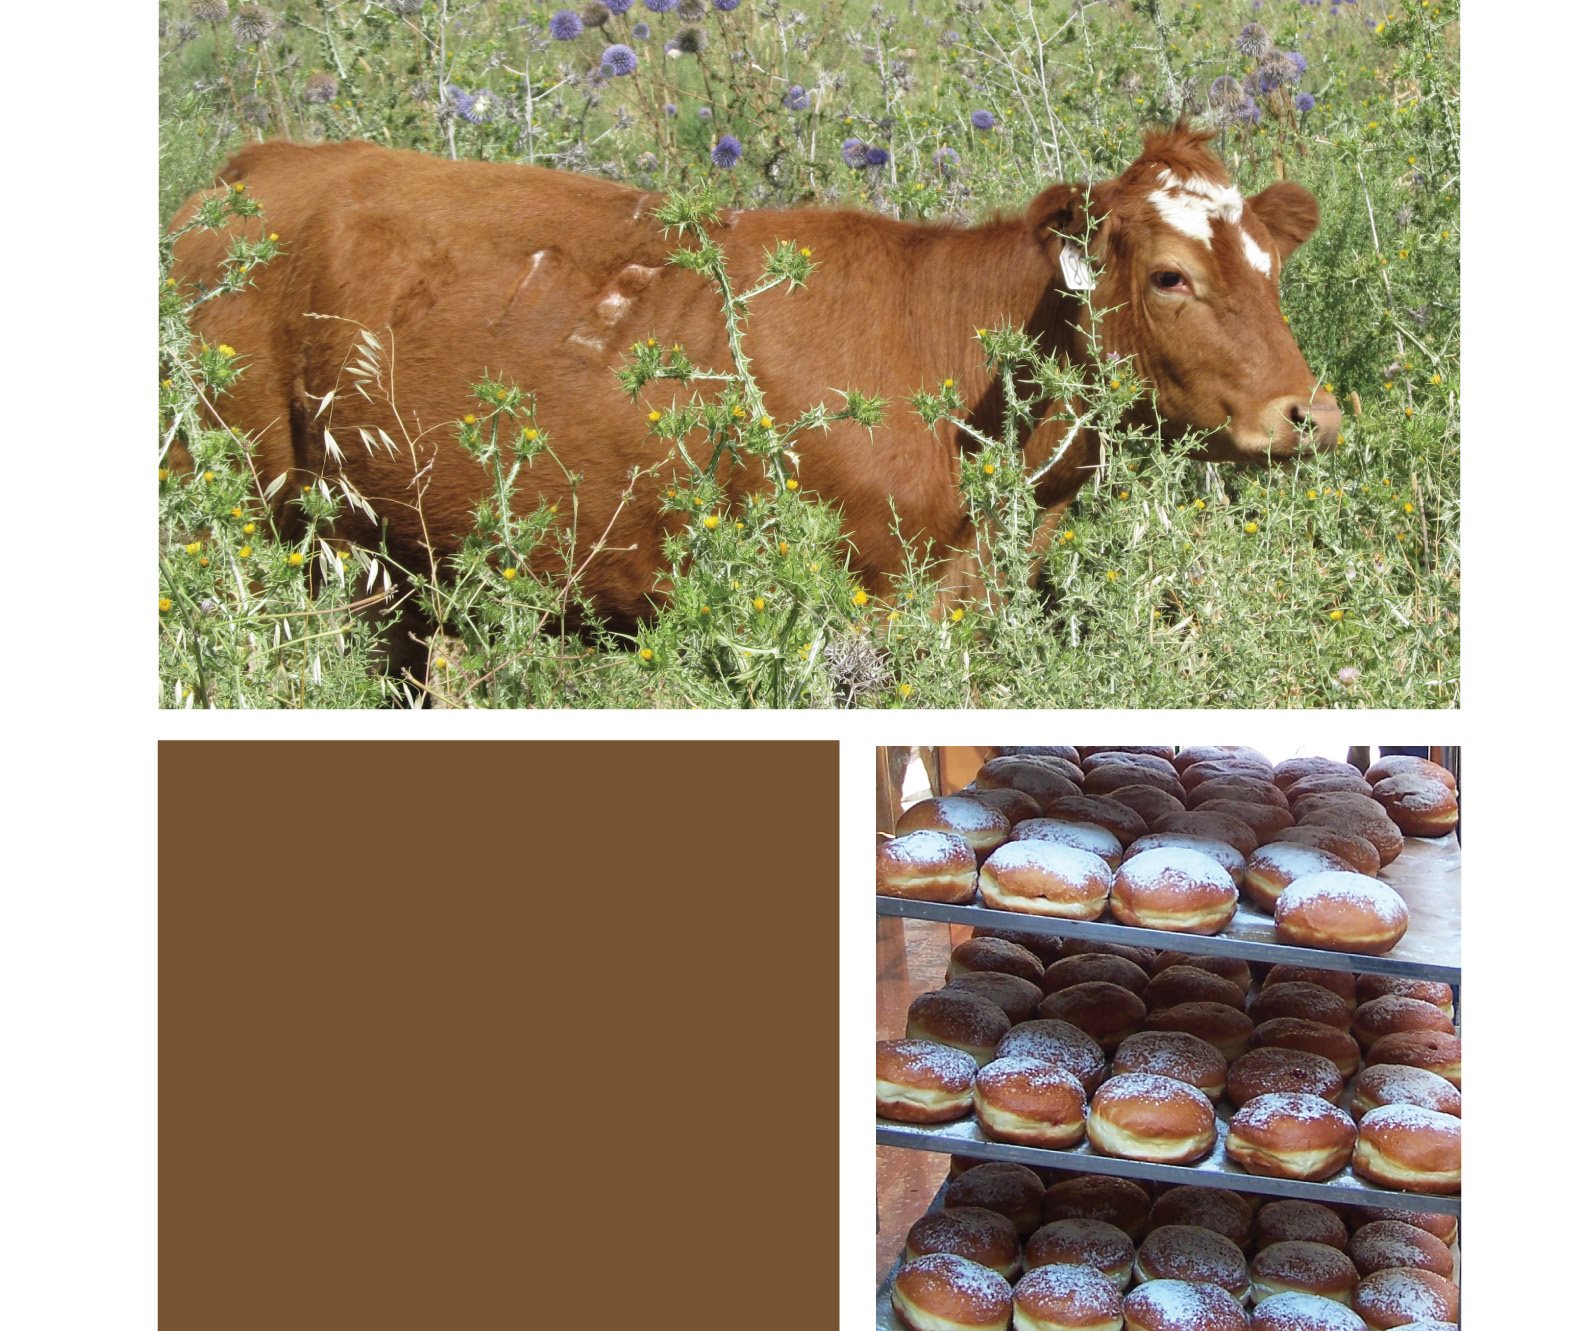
1331, 581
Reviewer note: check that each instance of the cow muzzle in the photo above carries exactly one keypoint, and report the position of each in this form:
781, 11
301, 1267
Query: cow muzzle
1291, 427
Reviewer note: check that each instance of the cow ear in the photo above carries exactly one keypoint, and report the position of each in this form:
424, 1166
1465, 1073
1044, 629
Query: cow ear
1289, 212
1079, 212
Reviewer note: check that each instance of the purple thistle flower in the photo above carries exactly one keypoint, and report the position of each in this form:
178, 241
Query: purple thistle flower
565, 25
641, 32
1251, 113
319, 89
671, 110
725, 6
727, 152
876, 156
1299, 61
983, 120
475, 108
705, 113
1304, 101
944, 159
796, 98
855, 153
618, 7
662, 6
618, 60
1252, 40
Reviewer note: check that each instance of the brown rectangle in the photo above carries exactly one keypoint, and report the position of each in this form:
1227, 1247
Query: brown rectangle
489, 1035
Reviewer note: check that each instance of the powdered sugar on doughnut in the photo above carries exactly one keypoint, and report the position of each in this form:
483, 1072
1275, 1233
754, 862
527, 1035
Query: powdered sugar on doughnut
1410, 1118
958, 815
1084, 836
924, 1058
1307, 1222
1181, 1304
1296, 861
917, 847
1157, 1090
1356, 890
1050, 856
1386, 1244
1176, 869
1304, 1312
1268, 1111
1308, 1264
1398, 1083
969, 1279
1076, 1242
1420, 794
1085, 1291
1403, 1295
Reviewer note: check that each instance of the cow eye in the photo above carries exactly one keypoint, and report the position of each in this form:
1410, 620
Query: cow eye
1169, 279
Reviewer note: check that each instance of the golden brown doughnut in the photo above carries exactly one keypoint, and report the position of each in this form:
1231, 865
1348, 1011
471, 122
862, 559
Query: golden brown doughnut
1399, 764
960, 1019
1180, 1305
1442, 1227
945, 1292
1045, 877
1291, 770
1201, 1256
1293, 1267
1337, 802
1014, 805
1432, 1050
1221, 851
1437, 992
1141, 1117
1240, 790
1080, 1242
1144, 957
1390, 1243
983, 827
1106, 1012
1101, 810
1108, 778
1057, 1042
1304, 1312
1275, 866
1179, 890
1233, 969
1401, 1296
1001, 1186
1087, 966
1016, 997
1196, 774
1378, 829
982, 1236
1029, 1102
1398, 1084
1326, 783
1175, 1054
1119, 1202
1150, 802
1338, 1047
1264, 820
1080, 836
1358, 852
1410, 1148
1132, 755
1191, 984
1301, 998
1163, 751
1306, 1222
1222, 1027
1273, 1069
1219, 753
1218, 826
1218, 1209
1393, 1014
916, 1081
1418, 805
1067, 1298
1342, 983
925, 866
1048, 947
1341, 912
1039, 780
1290, 1135
994, 954
1065, 752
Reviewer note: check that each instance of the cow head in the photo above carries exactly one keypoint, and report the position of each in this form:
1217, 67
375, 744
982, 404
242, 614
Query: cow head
1188, 284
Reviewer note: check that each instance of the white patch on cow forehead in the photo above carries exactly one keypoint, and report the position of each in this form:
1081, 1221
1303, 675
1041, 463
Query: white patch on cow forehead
1191, 206
1255, 255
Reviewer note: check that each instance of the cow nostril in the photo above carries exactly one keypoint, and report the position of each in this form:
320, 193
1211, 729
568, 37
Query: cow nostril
1299, 414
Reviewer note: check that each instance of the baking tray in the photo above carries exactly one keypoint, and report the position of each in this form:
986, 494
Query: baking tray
885, 1316
1215, 1171
1427, 875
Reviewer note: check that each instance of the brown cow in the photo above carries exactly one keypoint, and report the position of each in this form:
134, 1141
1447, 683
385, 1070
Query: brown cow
546, 280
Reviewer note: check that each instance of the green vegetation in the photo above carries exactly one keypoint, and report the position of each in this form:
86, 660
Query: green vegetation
1330, 581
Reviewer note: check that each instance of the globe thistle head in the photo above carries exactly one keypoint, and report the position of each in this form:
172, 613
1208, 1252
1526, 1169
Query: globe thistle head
209, 11
855, 667
617, 7
255, 110
618, 61
796, 98
705, 113
641, 32
475, 108
855, 153
876, 156
1299, 61
727, 152
725, 6
566, 25
1253, 40
1304, 101
663, 6
1225, 96
671, 110
983, 120
692, 10
253, 24
1274, 70
595, 15
1249, 114
690, 41
319, 89
944, 159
